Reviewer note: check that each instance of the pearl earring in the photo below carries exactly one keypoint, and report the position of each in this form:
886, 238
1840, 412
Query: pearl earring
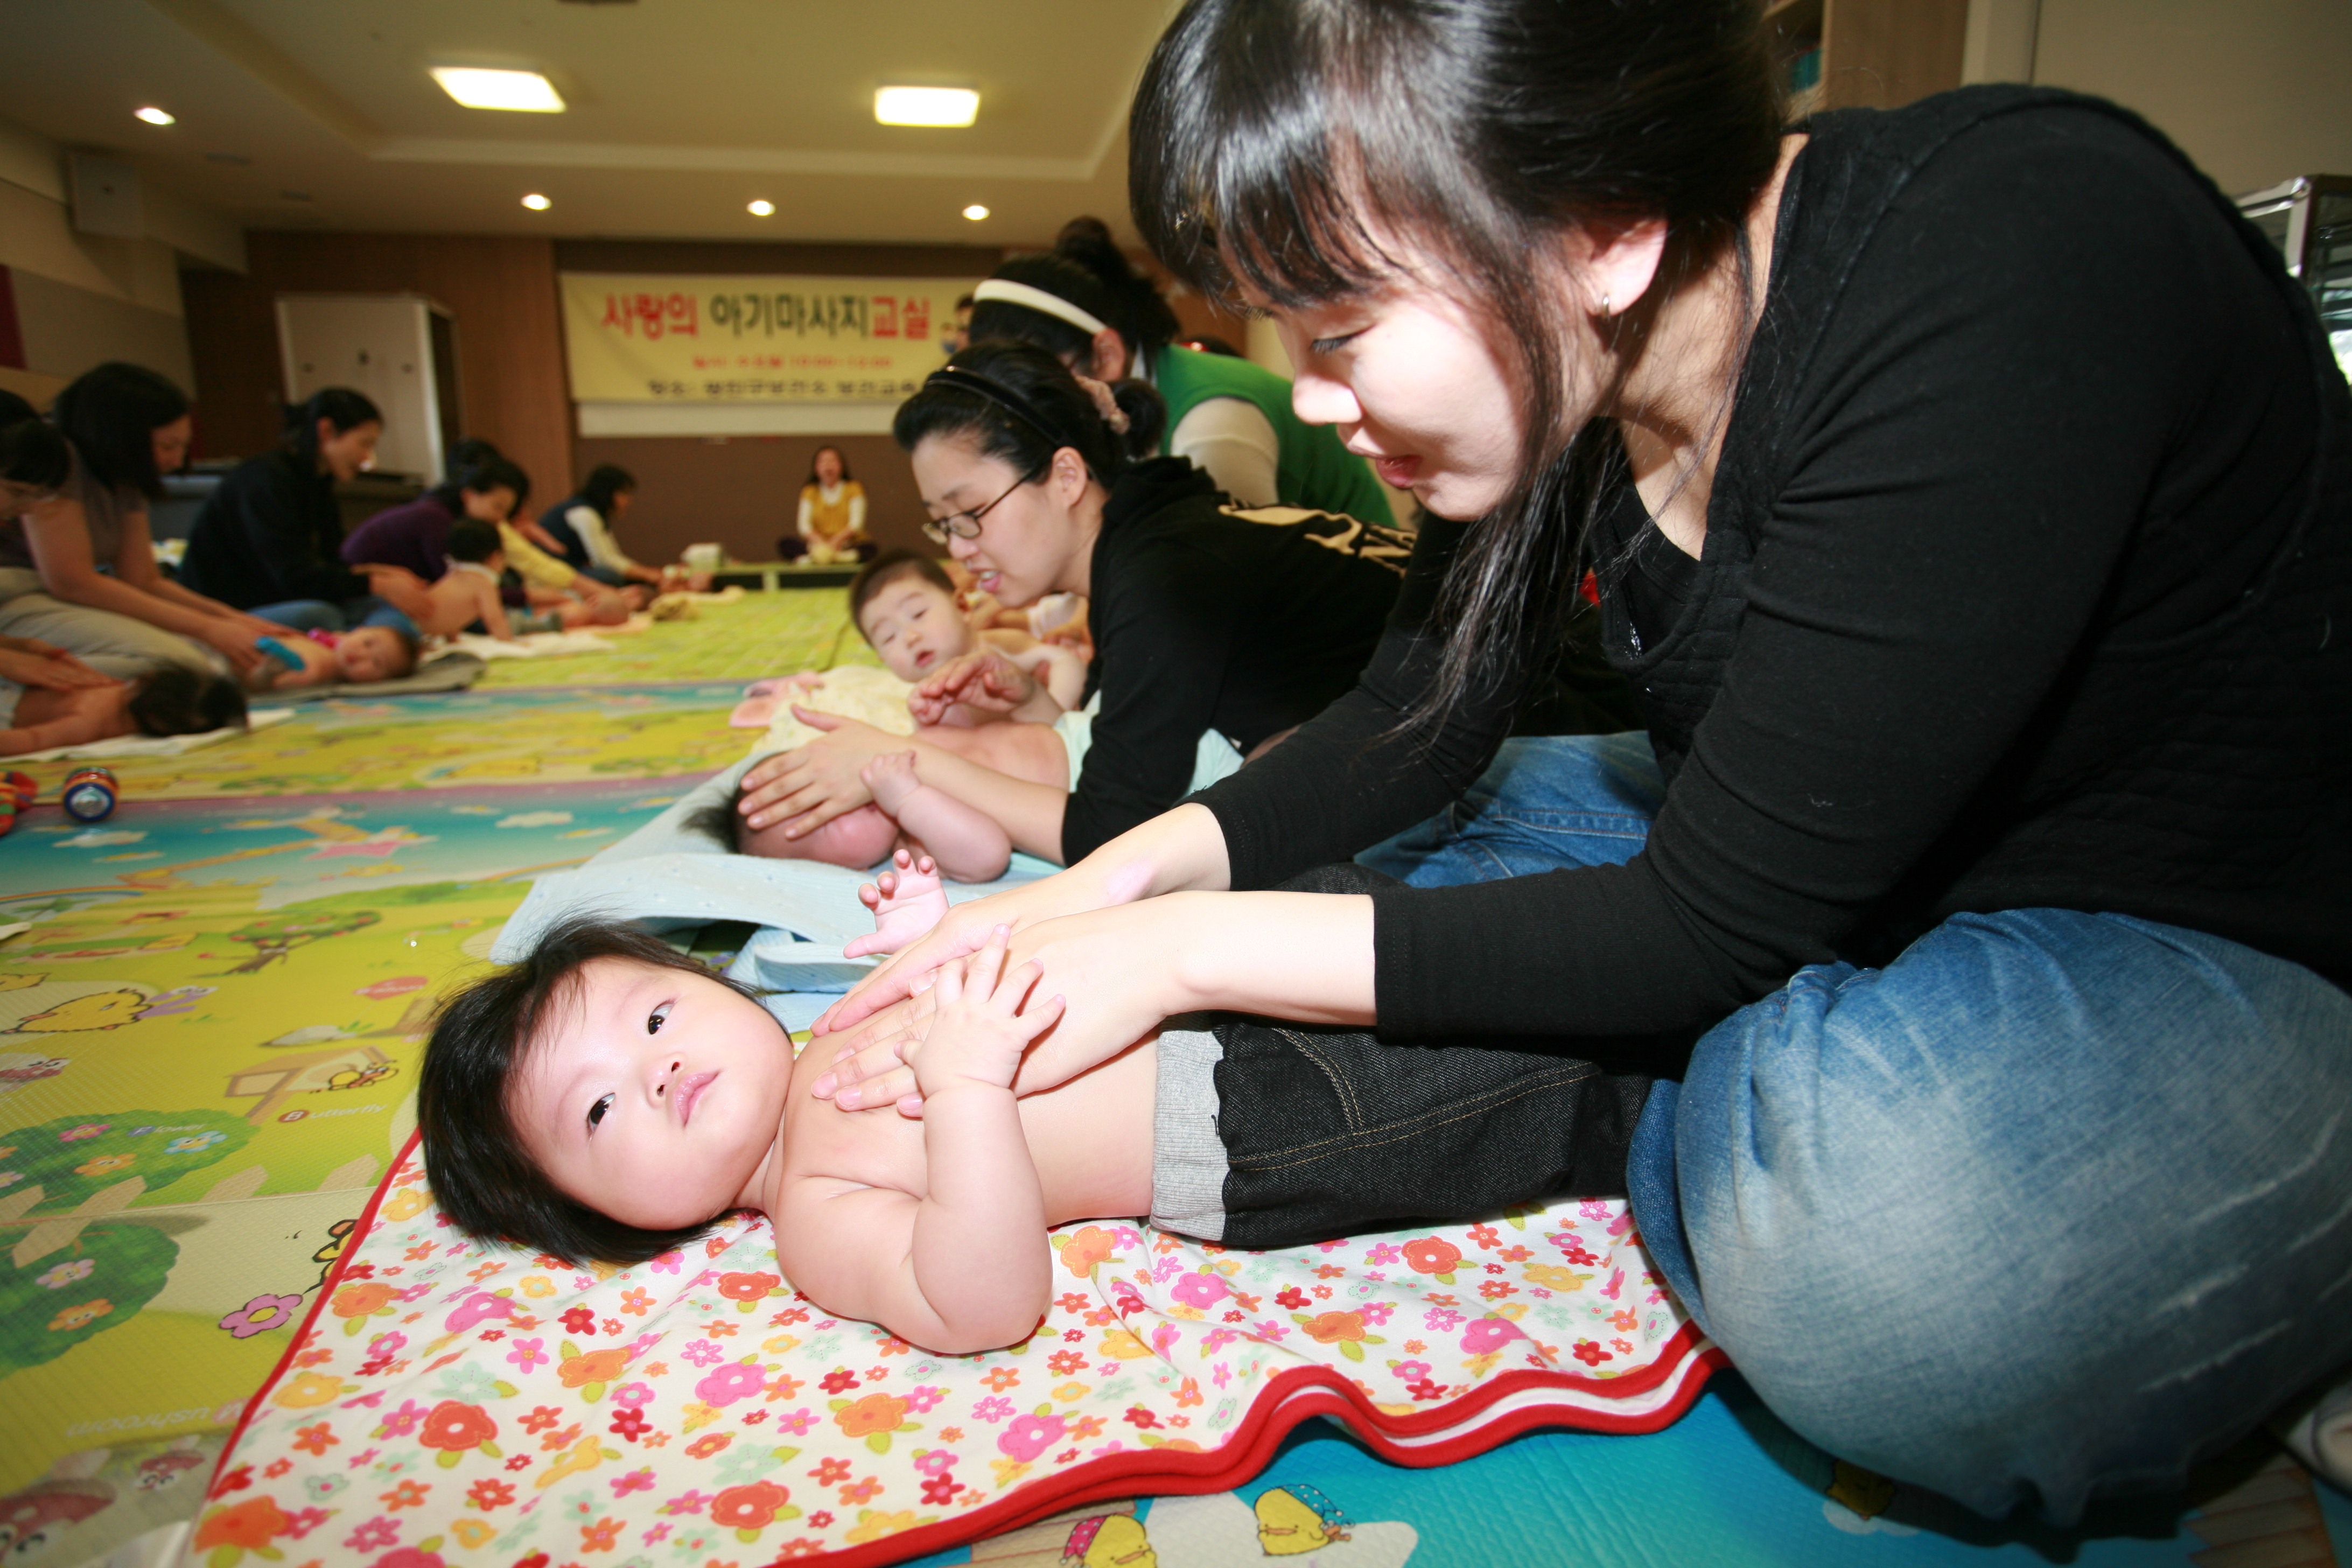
1604, 306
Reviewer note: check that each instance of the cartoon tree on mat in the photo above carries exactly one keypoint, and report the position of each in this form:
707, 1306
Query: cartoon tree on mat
73, 1157
98, 1281
273, 939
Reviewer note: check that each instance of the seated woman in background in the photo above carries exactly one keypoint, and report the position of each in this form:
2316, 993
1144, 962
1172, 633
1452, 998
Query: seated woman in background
832, 524
269, 538
582, 525
1084, 303
124, 427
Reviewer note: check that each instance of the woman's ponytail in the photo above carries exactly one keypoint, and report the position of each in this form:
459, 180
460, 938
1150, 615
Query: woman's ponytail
1147, 417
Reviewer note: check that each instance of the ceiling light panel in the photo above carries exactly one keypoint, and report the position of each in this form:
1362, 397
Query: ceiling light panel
926, 105
154, 116
760, 208
975, 212
525, 93
537, 203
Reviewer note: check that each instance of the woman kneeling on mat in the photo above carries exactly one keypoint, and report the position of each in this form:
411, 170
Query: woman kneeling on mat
1981, 899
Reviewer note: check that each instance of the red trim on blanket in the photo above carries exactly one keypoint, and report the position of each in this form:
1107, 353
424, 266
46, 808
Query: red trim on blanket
1288, 1398
326, 1291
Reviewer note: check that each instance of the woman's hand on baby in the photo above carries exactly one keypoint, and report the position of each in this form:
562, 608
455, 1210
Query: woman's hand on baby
811, 785
981, 1026
983, 679
29, 661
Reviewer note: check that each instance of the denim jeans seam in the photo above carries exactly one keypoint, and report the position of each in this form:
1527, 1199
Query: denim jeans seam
1349, 1111
1327, 1148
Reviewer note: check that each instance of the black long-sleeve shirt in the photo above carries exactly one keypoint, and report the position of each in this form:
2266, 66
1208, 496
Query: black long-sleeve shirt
270, 531
1209, 617
2027, 583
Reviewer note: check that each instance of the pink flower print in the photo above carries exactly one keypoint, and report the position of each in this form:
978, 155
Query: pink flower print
87, 1129
402, 1421
798, 1423
668, 1261
374, 1534
991, 1409
258, 1316
1616, 1283
1439, 1320
480, 1308
736, 1380
1593, 1208
1202, 1289
1168, 1268
701, 1352
1217, 1340
635, 1481
1384, 1255
1124, 1236
935, 1462
388, 1344
71, 1271
1164, 1339
922, 1399
1377, 1312
1223, 1375
632, 1394
1270, 1331
528, 1353
1031, 1436
688, 1502
1490, 1334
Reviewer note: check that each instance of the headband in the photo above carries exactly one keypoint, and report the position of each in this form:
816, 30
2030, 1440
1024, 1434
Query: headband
1004, 397
1041, 301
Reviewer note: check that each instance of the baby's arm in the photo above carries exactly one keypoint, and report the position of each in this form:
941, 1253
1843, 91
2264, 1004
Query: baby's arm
968, 844
1059, 670
966, 1267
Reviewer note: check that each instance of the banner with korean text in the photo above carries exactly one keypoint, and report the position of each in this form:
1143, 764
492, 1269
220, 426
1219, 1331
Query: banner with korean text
682, 339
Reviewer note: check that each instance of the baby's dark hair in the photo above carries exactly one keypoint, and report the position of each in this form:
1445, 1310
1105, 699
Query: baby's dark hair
481, 1174
473, 540
887, 568
178, 701
721, 820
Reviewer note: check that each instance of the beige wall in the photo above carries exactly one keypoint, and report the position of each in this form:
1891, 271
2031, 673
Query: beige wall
2254, 90
83, 299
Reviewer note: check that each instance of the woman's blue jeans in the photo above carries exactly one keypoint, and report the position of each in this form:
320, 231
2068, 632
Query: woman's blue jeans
2052, 1206
318, 615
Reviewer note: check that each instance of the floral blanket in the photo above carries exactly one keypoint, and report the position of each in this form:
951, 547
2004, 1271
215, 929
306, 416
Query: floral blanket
449, 1403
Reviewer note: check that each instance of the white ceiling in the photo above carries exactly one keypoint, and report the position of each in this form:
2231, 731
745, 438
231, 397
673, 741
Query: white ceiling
681, 111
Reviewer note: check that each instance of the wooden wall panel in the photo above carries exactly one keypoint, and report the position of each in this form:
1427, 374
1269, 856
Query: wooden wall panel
512, 387
743, 491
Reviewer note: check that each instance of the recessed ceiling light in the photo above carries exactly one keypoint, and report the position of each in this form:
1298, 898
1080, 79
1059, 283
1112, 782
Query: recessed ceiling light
975, 212
537, 203
760, 208
154, 116
925, 105
526, 92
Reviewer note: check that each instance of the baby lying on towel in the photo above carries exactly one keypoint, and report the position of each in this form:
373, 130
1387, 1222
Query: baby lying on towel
607, 1097
905, 606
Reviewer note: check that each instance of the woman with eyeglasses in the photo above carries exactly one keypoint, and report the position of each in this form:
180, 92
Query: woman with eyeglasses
1204, 619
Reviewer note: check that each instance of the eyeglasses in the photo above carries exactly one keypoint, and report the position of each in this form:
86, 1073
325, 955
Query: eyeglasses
965, 524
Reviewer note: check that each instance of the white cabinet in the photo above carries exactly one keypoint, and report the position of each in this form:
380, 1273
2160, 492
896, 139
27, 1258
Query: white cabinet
399, 349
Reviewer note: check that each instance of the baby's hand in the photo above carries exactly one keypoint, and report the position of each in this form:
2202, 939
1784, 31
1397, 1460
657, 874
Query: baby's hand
907, 902
981, 1029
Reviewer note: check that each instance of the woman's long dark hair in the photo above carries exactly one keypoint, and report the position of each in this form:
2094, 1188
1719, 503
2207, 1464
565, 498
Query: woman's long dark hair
606, 480
110, 415
483, 476
1086, 267
1286, 144
1020, 404
838, 455
32, 453
340, 406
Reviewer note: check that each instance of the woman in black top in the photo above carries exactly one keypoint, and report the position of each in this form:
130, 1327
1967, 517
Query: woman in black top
1205, 617
1974, 508
269, 538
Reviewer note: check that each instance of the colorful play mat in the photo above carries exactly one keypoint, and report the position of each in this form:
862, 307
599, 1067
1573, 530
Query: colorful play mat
208, 1032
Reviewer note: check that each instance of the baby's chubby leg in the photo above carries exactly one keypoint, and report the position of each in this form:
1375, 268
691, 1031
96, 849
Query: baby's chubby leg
908, 900
968, 844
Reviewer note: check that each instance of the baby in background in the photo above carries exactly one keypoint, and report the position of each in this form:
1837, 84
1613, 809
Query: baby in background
368, 653
467, 592
904, 607
607, 1097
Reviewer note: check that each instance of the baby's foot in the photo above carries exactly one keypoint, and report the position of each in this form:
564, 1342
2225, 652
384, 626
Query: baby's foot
907, 901
891, 777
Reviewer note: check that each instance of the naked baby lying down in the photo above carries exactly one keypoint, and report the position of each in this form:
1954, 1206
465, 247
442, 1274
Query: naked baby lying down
607, 1097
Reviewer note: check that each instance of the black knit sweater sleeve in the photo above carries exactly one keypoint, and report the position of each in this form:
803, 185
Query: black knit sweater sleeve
1990, 413
1351, 776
